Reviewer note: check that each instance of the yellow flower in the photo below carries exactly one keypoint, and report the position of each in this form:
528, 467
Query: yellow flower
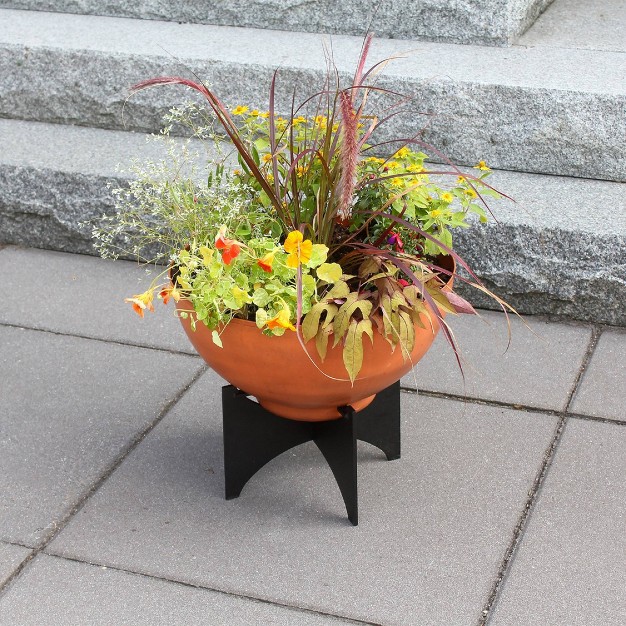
392, 164
374, 160
142, 302
460, 180
415, 169
471, 193
481, 165
298, 120
300, 169
265, 114
237, 172
254, 113
240, 110
447, 197
400, 154
436, 213
281, 321
266, 158
397, 182
321, 121
299, 251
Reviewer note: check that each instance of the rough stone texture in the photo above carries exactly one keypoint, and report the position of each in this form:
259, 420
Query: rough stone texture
570, 567
433, 526
53, 178
569, 260
69, 407
496, 370
54, 591
528, 109
10, 557
580, 24
559, 249
490, 22
603, 388
85, 296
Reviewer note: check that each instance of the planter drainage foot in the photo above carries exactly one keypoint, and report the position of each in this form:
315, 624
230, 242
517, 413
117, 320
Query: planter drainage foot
254, 436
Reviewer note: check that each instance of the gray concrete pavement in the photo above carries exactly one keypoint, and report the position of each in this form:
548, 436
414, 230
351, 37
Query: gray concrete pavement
506, 508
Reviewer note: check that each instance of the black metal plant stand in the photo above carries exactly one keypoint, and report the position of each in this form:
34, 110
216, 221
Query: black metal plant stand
254, 436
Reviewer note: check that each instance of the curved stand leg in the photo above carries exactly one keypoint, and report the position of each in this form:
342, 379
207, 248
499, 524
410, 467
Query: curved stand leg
254, 436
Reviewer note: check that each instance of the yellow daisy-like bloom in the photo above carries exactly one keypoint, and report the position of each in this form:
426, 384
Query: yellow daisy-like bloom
397, 182
436, 213
240, 110
415, 169
266, 158
281, 321
481, 165
254, 113
298, 120
400, 154
374, 160
447, 197
460, 180
471, 193
299, 250
300, 171
392, 164
321, 120
265, 114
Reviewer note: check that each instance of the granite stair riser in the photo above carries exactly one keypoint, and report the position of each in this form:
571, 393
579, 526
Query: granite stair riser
537, 270
548, 271
511, 127
484, 22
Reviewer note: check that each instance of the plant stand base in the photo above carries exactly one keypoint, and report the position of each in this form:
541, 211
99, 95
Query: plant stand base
254, 436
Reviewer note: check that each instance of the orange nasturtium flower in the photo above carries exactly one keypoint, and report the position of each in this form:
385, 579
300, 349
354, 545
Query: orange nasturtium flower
169, 292
142, 301
230, 247
299, 251
281, 321
266, 262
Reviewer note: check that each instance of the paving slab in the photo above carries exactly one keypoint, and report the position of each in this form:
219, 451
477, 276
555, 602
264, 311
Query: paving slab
10, 557
69, 407
571, 565
580, 24
603, 388
537, 369
84, 295
433, 526
56, 591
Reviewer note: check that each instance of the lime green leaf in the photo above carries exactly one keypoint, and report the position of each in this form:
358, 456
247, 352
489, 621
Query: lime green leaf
350, 306
319, 253
260, 297
329, 272
216, 339
339, 290
311, 322
261, 318
321, 340
353, 348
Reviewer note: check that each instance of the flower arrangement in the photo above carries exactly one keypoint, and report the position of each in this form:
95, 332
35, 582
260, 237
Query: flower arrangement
312, 231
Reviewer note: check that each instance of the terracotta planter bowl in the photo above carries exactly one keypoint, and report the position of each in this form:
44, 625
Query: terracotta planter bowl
281, 376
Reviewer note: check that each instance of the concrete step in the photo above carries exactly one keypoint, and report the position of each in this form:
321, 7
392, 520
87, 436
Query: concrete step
486, 22
540, 109
560, 249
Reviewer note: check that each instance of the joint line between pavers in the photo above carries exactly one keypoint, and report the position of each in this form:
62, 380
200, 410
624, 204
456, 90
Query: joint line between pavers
533, 494
59, 526
113, 341
16, 572
591, 348
350, 620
